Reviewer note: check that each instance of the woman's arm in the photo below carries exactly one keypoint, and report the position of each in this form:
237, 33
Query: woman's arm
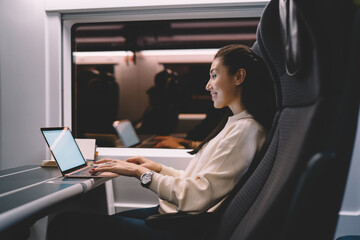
134, 167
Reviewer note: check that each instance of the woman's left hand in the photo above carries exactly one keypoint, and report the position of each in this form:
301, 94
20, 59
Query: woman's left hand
119, 167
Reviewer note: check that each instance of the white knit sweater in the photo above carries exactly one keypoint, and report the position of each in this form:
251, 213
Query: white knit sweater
214, 170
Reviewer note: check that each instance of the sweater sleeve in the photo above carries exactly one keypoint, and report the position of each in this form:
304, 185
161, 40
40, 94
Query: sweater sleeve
216, 179
169, 171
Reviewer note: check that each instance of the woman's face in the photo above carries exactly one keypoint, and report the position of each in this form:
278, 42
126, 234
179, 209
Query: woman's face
225, 89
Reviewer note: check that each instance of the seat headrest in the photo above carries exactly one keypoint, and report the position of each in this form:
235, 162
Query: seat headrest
296, 68
289, 28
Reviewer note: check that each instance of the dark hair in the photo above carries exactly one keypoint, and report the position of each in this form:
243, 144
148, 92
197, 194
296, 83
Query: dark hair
258, 94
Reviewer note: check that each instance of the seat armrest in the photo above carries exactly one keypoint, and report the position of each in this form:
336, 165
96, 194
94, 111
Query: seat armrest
180, 221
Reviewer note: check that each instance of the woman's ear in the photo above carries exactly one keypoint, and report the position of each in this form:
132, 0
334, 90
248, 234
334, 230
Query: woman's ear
240, 76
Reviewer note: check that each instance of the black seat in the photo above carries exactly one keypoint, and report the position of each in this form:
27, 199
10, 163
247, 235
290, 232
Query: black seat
294, 190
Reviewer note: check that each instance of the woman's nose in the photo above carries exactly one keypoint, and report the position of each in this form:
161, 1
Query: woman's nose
208, 87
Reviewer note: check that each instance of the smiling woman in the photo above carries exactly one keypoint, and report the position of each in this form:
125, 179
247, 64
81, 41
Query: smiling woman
221, 160
238, 79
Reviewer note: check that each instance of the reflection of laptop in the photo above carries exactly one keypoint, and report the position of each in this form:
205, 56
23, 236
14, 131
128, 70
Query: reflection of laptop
128, 136
67, 154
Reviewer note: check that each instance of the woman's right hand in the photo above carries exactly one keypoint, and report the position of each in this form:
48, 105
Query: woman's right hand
120, 167
147, 163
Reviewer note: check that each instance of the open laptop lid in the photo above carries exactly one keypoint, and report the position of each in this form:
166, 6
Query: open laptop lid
64, 149
126, 133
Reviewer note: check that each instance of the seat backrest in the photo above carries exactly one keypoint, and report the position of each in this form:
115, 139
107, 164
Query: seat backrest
307, 87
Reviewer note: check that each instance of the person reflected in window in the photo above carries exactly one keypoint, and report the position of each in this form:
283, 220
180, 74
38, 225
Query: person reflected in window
238, 80
161, 116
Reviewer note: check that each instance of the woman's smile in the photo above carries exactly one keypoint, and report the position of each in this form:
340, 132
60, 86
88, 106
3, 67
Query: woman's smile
213, 95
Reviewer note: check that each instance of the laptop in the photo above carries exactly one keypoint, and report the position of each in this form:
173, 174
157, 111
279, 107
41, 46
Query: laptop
67, 154
128, 136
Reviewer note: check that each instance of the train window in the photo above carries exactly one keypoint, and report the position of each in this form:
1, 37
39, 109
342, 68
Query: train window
115, 66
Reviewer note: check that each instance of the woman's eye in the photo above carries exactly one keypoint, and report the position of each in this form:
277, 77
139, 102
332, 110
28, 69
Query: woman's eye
213, 76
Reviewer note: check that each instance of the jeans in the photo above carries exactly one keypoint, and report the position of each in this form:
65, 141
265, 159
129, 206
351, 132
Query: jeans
123, 225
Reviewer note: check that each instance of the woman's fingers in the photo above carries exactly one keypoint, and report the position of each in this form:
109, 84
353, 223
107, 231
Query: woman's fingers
105, 160
137, 160
133, 160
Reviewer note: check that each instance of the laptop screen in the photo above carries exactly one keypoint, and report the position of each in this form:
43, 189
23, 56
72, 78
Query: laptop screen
64, 148
126, 132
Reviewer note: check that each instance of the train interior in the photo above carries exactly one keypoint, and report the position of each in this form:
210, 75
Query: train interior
304, 182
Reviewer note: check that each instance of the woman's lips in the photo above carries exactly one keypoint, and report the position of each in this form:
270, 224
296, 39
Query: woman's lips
213, 94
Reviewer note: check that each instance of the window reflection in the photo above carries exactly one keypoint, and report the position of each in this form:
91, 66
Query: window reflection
115, 66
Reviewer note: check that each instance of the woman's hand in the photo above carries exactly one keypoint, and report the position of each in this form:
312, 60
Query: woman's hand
120, 167
144, 162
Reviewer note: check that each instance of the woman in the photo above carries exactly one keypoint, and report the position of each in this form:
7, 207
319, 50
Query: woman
238, 80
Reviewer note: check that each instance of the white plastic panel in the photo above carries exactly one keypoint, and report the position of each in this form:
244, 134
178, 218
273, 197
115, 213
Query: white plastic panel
94, 5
